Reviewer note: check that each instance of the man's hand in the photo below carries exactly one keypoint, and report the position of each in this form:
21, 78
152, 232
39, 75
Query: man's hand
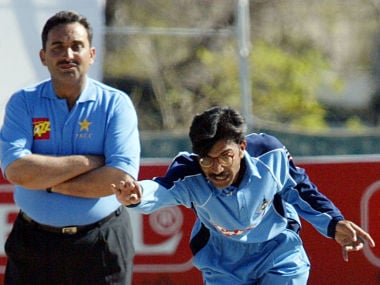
127, 192
351, 237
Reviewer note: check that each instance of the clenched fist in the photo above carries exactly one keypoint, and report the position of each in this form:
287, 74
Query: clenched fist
128, 192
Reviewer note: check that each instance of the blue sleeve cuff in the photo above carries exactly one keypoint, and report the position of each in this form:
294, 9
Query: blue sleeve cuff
332, 226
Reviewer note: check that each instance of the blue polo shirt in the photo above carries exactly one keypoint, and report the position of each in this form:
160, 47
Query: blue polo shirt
102, 122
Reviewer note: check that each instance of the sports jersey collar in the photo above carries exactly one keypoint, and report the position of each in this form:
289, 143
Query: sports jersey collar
228, 191
88, 93
251, 166
49, 92
250, 170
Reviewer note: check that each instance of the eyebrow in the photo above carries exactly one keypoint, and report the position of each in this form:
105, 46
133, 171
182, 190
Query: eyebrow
60, 42
222, 153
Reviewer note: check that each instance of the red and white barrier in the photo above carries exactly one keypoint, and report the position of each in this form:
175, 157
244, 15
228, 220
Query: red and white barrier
162, 238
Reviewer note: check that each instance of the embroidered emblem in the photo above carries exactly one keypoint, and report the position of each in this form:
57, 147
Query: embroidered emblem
41, 128
263, 205
85, 125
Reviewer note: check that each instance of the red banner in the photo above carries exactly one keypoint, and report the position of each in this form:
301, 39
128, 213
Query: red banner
354, 186
161, 239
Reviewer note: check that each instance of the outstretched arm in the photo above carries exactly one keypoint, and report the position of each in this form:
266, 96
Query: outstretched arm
351, 237
128, 192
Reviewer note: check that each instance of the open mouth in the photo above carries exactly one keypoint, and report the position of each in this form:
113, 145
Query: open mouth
219, 179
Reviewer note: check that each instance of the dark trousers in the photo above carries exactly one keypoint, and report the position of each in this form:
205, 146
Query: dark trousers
102, 255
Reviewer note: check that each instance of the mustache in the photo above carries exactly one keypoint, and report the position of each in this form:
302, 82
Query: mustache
68, 62
213, 175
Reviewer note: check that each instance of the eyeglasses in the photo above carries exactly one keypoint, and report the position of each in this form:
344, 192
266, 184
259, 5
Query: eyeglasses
224, 160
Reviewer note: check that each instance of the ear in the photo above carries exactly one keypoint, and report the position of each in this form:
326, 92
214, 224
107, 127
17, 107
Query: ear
42, 57
92, 55
242, 148
243, 145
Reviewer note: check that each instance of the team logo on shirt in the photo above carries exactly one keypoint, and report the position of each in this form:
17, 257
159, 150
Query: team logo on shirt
85, 125
41, 128
84, 131
263, 208
263, 205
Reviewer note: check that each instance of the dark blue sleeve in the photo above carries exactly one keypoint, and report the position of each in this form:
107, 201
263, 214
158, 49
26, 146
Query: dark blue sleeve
258, 144
309, 192
184, 164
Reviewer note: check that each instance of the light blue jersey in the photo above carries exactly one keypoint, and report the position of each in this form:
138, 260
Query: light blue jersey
102, 122
245, 213
246, 234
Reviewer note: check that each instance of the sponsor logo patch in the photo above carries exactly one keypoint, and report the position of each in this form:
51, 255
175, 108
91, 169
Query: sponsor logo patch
41, 128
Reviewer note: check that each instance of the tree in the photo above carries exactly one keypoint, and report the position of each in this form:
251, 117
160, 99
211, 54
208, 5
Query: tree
170, 78
284, 83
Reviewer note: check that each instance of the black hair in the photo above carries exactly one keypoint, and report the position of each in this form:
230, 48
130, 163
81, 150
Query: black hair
65, 17
214, 124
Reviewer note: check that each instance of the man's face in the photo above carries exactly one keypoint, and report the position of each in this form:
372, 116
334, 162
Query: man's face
68, 54
222, 164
